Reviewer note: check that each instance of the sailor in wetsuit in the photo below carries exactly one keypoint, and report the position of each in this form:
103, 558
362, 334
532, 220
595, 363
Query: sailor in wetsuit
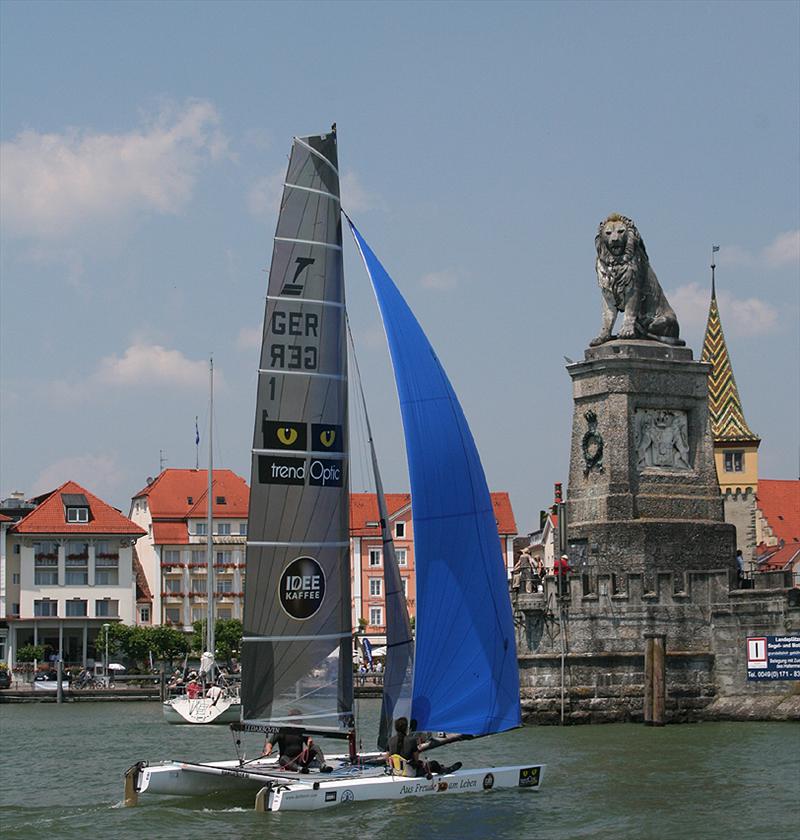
403, 754
297, 750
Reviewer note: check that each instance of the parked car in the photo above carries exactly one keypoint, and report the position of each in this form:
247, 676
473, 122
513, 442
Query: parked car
5, 678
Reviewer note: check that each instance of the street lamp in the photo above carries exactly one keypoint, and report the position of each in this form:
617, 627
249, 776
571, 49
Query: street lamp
106, 629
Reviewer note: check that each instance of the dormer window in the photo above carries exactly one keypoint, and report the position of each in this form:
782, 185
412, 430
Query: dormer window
76, 507
220, 500
190, 500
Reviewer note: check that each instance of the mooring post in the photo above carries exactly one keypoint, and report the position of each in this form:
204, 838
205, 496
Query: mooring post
163, 683
59, 677
654, 678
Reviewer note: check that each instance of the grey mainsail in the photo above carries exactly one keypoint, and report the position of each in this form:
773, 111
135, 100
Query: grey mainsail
297, 649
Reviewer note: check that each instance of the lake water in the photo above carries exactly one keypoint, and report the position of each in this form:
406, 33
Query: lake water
61, 771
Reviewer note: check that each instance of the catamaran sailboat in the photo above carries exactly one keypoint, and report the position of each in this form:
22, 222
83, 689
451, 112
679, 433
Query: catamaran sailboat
460, 676
220, 704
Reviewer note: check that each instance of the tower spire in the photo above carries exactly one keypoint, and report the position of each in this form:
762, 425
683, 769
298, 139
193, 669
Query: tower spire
724, 404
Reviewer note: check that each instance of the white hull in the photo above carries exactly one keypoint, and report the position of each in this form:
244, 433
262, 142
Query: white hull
304, 797
280, 791
50, 685
202, 710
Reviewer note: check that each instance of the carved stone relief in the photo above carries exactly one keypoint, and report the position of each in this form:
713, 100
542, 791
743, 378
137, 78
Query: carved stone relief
661, 438
592, 445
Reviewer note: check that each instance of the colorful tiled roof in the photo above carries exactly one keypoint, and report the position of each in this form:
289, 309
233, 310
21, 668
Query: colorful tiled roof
177, 494
4, 518
50, 516
724, 405
364, 510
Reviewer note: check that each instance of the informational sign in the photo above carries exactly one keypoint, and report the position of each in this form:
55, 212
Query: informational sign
773, 658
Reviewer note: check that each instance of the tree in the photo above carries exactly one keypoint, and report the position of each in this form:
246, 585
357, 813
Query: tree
29, 653
167, 642
227, 638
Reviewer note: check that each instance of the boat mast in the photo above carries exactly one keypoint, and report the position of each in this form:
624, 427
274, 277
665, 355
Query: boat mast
210, 645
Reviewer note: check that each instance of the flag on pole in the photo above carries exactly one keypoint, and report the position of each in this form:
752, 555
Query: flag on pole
714, 249
196, 433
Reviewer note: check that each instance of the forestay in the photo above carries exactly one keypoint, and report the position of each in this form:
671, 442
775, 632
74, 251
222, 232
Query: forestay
297, 652
465, 668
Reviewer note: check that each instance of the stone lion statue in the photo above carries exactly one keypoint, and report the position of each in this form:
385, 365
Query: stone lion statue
630, 285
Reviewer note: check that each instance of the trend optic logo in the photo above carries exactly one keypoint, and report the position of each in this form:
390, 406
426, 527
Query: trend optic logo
302, 588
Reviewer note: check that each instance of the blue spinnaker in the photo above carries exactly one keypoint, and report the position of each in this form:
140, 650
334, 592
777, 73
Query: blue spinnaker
465, 669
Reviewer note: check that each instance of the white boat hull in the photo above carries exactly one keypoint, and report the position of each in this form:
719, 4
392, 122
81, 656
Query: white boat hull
305, 796
50, 685
281, 791
201, 710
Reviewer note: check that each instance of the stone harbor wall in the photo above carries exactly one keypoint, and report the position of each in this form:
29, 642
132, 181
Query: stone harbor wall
602, 623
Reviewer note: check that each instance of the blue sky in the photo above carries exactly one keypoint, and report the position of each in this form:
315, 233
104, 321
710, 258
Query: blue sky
143, 145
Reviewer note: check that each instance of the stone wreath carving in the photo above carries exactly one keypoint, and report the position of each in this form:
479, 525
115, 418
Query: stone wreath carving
592, 445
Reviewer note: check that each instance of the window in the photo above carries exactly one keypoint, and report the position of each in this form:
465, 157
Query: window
224, 614
75, 607
220, 500
77, 564
374, 557
15, 577
106, 570
45, 564
375, 587
45, 608
224, 529
734, 461
376, 616
172, 585
200, 558
15, 609
400, 530
224, 585
172, 557
402, 556
243, 529
172, 615
77, 514
405, 586
16, 548
224, 557
144, 615
198, 613
107, 608
106, 550
201, 529
199, 585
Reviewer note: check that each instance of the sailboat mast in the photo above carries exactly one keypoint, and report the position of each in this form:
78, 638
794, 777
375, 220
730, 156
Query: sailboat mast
210, 645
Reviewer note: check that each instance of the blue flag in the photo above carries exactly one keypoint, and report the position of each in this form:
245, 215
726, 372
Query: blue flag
367, 646
196, 433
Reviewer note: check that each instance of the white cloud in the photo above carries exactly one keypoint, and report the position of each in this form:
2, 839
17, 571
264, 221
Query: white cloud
440, 281
249, 338
54, 184
151, 364
784, 250
748, 317
355, 198
99, 474
264, 198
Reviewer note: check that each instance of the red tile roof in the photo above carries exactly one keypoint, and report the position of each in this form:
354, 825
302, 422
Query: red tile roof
170, 533
364, 509
50, 516
168, 496
4, 518
779, 502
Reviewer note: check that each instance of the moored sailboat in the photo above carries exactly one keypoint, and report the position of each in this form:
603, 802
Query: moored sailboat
220, 704
297, 646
